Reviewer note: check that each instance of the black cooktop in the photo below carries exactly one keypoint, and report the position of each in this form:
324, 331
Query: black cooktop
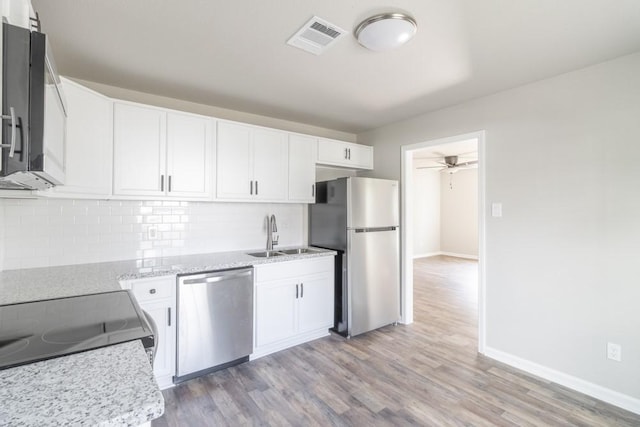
39, 330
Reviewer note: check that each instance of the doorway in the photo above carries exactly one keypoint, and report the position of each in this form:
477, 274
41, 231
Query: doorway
408, 201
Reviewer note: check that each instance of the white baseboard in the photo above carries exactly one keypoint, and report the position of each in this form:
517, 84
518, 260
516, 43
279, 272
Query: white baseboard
590, 389
456, 255
427, 255
453, 254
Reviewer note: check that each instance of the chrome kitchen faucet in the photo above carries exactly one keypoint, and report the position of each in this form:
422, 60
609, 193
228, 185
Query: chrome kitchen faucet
271, 229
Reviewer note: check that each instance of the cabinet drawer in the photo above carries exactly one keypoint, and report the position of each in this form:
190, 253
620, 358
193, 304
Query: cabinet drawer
154, 288
286, 269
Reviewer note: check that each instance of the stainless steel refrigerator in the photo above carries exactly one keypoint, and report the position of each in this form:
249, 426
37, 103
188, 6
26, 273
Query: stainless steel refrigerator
359, 218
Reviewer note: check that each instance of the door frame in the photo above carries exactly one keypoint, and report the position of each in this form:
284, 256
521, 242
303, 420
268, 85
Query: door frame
406, 268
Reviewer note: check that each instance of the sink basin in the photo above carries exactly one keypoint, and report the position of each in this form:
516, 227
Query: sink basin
298, 251
265, 254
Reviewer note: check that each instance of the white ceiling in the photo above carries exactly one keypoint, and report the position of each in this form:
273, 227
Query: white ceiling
233, 54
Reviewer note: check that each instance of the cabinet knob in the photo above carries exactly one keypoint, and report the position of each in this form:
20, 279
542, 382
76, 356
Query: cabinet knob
152, 291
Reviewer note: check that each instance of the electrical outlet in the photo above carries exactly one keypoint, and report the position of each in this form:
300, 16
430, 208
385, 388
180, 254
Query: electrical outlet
153, 233
614, 351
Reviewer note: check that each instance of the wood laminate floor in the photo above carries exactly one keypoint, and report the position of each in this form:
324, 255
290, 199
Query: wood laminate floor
427, 373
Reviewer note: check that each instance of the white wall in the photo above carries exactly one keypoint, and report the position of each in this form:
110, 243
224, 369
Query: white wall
426, 212
445, 219
459, 213
47, 232
562, 156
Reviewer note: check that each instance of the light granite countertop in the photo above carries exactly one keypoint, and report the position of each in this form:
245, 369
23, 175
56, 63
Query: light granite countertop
70, 280
110, 386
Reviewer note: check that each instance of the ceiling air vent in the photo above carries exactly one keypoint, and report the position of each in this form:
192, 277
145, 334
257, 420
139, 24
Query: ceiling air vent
315, 36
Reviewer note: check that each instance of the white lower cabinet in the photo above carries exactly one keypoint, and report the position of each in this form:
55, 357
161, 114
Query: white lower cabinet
157, 297
293, 303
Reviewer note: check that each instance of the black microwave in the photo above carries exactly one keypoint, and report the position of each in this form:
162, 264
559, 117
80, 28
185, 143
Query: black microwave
33, 112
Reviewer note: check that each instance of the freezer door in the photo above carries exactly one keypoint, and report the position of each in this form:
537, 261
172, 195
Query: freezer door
372, 203
373, 288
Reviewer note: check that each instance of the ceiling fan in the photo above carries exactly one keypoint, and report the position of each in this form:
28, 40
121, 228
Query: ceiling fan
451, 164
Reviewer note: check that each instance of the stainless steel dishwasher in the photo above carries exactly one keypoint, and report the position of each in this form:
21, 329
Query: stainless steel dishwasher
215, 321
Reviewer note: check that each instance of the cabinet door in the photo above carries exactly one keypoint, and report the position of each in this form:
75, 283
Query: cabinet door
332, 152
163, 314
346, 154
189, 156
276, 307
233, 171
18, 12
139, 141
54, 133
361, 156
315, 303
302, 168
269, 161
89, 142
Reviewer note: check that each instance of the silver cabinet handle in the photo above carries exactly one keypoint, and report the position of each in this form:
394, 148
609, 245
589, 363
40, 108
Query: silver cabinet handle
345, 153
256, 188
169, 183
313, 190
168, 316
296, 291
14, 124
301, 290
161, 182
349, 151
251, 187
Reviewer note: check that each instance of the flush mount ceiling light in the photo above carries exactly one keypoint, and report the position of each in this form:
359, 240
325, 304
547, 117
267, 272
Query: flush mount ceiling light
386, 31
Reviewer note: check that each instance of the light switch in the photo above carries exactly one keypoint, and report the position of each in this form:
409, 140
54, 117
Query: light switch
496, 210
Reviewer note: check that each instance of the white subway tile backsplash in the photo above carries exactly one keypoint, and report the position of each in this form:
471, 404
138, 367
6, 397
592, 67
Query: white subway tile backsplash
48, 232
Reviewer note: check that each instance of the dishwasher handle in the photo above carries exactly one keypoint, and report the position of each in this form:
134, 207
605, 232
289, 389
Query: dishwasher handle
215, 277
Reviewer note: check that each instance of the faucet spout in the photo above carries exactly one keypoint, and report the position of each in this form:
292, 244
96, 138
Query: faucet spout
271, 229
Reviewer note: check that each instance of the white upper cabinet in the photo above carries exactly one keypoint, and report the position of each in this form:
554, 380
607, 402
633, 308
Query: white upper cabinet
160, 153
234, 174
139, 150
270, 160
302, 171
89, 142
251, 163
125, 150
345, 154
189, 156
18, 12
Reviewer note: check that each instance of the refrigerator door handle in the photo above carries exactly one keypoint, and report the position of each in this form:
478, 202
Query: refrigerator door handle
375, 229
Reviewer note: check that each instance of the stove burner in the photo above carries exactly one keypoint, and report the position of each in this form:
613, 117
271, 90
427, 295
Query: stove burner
64, 335
12, 346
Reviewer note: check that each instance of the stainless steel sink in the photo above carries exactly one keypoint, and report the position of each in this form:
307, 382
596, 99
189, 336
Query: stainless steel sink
270, 254
265, 254
298, 251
